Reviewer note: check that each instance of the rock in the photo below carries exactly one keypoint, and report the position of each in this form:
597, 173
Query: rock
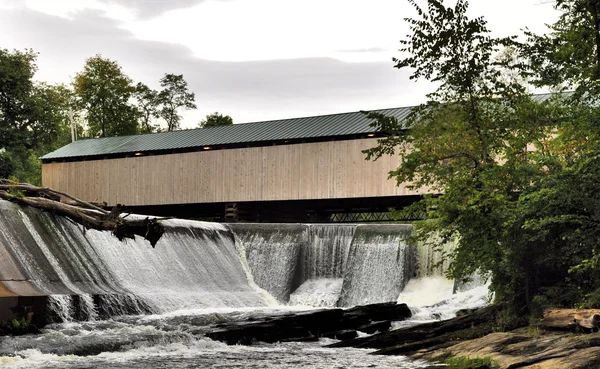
471, 336
371, 328
429, 333
342, 335
337, 323
517, 349
571, 319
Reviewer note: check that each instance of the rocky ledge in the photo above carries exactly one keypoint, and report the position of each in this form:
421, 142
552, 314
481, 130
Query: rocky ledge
564, 339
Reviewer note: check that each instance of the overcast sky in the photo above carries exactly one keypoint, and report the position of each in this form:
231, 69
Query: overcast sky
251, 59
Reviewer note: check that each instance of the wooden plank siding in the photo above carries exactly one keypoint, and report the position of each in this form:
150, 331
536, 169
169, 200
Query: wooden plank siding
322, 170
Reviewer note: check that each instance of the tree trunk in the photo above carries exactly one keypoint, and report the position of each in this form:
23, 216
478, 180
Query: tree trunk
82, 212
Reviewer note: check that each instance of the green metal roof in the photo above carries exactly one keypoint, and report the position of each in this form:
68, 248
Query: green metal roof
334, 125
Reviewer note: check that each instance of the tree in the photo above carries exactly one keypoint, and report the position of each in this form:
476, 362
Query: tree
215, 119
174, 96
147, 105
470, 144
33, 116
16, 89
568, 57
104, 91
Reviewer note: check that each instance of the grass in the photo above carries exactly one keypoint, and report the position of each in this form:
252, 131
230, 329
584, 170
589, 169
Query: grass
454, 362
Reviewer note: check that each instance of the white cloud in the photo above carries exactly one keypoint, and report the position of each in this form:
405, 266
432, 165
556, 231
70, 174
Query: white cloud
242, 30
68, 9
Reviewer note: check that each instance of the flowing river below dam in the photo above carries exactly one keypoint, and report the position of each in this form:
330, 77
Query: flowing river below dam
119, 304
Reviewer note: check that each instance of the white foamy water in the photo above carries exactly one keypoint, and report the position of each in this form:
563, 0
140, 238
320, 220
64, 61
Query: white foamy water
175, 341
431, 298
323, 292
146, 307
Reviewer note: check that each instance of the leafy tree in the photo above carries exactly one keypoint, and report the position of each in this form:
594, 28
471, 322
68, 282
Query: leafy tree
174, 96
470, 144
104, 91
147, 105
568, 57
33, 116
16, 89
215, 119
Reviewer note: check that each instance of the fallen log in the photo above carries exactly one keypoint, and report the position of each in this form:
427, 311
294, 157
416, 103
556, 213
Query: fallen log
88, 215
571, 319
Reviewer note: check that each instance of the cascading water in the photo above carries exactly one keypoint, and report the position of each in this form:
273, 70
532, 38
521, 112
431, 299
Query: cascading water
272, 253
329, 265
434, 257
380, 264
194, 265
323, 263
201, 274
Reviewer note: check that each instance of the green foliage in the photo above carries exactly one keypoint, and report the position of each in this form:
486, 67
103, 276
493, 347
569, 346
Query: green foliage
17, 327
147, 105
174, 96
568, 57
591, 300
454, 362
33, 116
516, 180
104, 91
215, 119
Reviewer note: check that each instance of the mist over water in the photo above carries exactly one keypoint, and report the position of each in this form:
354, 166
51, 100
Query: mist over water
127, 305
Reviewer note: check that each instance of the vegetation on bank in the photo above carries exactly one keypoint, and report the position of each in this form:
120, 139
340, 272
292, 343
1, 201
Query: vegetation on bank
454, 362
518, 176
17, 327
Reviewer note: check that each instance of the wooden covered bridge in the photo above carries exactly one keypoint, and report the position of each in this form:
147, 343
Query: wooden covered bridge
292, 170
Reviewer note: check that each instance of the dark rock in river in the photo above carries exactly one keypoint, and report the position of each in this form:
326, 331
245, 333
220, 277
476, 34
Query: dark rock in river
308, 325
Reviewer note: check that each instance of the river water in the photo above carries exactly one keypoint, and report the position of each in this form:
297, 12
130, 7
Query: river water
126, 305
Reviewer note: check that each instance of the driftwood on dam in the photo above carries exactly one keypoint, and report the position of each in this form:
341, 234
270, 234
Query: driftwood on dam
87, 214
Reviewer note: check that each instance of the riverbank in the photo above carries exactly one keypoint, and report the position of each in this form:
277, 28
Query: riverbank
475, 336
523, 348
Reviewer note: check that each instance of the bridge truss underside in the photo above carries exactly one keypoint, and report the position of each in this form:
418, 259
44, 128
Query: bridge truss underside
349, 210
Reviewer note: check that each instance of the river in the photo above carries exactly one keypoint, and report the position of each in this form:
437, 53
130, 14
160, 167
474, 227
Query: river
125, 305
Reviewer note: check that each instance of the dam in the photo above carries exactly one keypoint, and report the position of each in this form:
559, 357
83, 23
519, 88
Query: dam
127, 298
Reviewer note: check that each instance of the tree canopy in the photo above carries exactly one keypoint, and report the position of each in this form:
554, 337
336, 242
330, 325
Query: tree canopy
215, 119
174, 96
104, 91
33, 116
514, 182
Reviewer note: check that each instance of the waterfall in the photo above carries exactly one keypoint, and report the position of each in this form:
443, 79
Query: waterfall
434, 257
90, 275
329, 264
272, 253
326, 250
380, 263
194, 265
323, 264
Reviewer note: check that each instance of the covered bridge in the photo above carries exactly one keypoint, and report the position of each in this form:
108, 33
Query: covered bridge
301, 169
